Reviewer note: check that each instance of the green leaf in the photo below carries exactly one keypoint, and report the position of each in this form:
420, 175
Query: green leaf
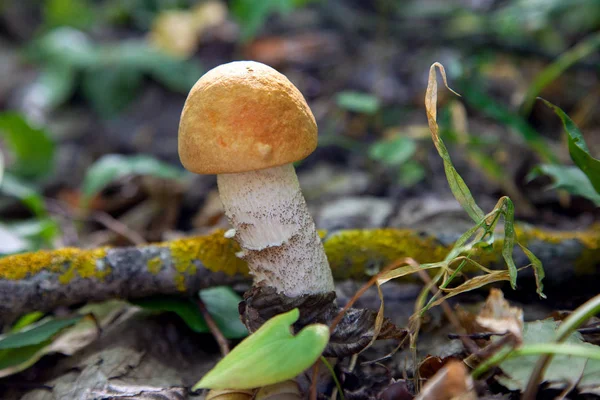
538, 270
569, 178
252, 14
38, 232
222, 304
567, 366
56, 83
459, 188
580, 154
411, 173
75, 13
26, 193
10, 242
393, 152
26, 320
176, 74
584, 49
32, 147
358, 102
1, 167
65, 46
37, 334
111, 88
268, 356
477, 99
67, 340
21, 356
114, 166
509, 241
186, 309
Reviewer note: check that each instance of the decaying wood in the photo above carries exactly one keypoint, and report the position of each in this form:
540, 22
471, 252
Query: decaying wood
351, 335
46, 280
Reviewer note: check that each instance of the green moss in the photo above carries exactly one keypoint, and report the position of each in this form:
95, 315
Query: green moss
590, 239
356, 253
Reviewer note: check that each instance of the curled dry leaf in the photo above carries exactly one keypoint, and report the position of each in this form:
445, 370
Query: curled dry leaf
432, 364
452, 382
498, 316
287, 390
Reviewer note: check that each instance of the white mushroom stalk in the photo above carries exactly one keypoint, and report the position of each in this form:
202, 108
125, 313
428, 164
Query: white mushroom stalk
275, 230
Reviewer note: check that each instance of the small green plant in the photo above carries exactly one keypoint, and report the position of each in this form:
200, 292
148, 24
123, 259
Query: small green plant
481, 236
582, 180
270, 355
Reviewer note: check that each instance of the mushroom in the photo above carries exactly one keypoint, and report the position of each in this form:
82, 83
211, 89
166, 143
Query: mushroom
247, 123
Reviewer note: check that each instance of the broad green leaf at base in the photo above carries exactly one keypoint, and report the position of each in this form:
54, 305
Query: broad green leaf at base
270, 355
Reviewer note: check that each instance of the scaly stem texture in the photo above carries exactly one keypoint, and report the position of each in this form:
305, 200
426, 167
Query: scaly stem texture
277, 234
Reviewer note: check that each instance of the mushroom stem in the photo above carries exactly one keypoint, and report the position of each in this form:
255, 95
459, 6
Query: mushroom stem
277, 234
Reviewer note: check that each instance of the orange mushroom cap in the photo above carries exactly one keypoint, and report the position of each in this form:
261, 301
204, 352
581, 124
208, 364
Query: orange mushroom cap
244, 116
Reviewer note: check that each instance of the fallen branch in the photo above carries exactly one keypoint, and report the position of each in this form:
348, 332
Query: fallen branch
46, 280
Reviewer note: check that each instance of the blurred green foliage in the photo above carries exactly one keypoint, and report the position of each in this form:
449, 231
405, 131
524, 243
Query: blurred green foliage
582, 179
358, 102
21, 345
31, 146
252, 14
110, 74
111, 167
31, 152
75, 13
568, 178
397, 154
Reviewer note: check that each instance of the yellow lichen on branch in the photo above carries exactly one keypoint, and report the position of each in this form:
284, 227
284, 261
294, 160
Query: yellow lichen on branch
214, 251
352, 254
361, 253
68, 262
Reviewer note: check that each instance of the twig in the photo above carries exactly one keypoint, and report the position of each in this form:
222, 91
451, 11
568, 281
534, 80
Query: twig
466, 341
101, 217
315, 378
476, 336
590, 330
214, 329
118, 227
366, 286
45, 280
